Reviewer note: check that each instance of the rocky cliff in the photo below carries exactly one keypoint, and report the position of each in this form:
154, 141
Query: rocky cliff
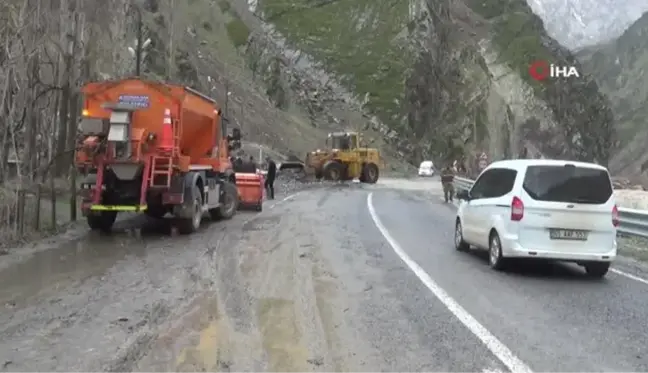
447, 77
620, 68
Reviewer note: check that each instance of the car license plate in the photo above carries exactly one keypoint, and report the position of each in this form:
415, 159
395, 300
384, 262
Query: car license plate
568, 234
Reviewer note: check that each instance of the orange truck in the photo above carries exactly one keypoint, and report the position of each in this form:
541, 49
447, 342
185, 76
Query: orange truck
154, 148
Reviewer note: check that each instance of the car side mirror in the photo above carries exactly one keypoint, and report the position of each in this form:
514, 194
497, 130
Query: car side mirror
464, 195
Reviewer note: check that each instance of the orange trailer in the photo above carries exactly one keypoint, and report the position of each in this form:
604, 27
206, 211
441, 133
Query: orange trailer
156, 148
250, 190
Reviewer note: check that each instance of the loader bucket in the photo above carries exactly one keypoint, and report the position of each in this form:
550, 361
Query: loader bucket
292, 165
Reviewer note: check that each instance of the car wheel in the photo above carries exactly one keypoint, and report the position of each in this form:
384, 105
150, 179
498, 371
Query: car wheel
495, 259
597, 269
460, 244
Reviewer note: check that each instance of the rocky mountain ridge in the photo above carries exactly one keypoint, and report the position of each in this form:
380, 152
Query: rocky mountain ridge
423, 79
449, 79
581, 23
620, 68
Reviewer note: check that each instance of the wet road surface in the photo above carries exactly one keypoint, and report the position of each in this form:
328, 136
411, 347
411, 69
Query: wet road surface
312, 284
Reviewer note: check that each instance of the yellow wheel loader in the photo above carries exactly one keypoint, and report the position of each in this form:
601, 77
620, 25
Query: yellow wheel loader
344, 159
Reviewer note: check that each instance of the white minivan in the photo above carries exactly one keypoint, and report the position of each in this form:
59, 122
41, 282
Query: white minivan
538, 208
426, 168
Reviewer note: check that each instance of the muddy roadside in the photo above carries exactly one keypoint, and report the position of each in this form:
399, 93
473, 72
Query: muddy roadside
245, 295
100, 302
275, 304
74, 235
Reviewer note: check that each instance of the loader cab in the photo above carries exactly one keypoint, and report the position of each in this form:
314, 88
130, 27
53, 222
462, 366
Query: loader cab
342, 140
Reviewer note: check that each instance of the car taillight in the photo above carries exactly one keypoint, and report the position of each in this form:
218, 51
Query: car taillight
517, 209
615, 216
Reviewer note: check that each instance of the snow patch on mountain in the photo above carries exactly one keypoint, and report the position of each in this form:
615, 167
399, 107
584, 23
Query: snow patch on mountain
579, 23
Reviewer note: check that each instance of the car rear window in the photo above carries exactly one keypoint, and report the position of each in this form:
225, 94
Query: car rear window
568, 184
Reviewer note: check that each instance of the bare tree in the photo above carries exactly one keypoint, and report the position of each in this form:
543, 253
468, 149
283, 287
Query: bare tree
50, 48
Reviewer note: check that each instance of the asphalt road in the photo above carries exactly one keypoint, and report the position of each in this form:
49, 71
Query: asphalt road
337, 278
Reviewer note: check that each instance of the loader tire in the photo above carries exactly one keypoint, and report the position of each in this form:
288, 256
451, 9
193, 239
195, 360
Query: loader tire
333, 171
191, 224
102, 220
370, 174
229, 203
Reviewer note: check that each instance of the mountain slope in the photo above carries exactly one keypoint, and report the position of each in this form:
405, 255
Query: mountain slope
208, 40
450, 77
580, 23
621, 69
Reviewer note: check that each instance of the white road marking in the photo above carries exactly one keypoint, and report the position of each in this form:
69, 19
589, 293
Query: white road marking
285, 199
289, 197
630, 276
494, 345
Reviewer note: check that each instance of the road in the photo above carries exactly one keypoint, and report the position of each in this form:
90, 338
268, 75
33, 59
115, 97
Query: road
339, 278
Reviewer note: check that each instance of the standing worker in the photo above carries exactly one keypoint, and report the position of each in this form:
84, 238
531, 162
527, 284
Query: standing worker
238, 165
248, 167
270, 177
253, 165
447, 180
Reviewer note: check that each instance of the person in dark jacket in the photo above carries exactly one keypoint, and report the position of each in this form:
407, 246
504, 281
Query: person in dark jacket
247, 167
270, 177
447, 180
238, 164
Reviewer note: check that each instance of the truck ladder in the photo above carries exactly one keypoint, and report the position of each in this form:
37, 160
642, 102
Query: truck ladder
162, 164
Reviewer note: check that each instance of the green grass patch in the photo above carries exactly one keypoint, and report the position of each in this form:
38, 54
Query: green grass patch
238, 32
517, 36
356, 40
490, 9
224, 6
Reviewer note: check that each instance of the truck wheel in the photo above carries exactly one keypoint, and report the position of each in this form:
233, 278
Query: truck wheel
102, 220
190, 225
259, 206
155, 212
333, 171
370, 174
229, 203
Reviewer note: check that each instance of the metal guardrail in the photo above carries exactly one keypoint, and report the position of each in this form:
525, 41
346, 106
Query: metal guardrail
632, 222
